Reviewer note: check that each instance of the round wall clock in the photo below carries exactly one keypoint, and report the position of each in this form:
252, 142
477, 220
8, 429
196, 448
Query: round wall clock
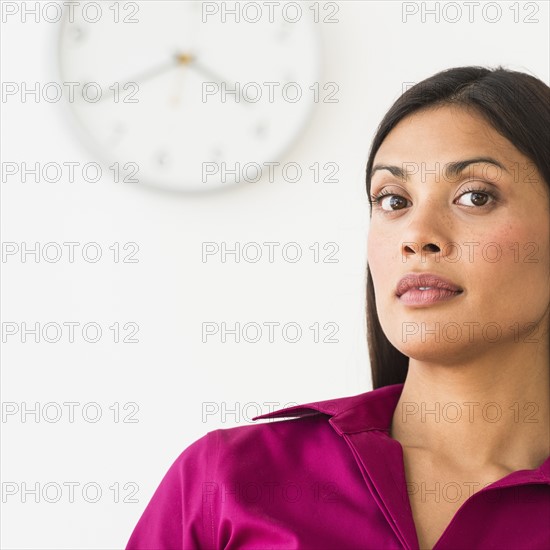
182, 97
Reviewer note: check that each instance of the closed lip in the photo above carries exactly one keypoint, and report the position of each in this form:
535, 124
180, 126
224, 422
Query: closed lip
423, 280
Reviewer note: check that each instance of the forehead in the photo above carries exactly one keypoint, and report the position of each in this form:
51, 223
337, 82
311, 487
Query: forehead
444, 133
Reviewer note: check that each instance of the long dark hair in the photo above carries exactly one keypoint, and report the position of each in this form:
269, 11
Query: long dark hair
517, 105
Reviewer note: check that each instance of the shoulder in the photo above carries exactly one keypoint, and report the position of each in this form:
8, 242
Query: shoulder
312, 427
213, 475
298, 448
225, 453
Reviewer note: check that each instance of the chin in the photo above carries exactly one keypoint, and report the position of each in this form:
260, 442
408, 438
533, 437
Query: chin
441, 352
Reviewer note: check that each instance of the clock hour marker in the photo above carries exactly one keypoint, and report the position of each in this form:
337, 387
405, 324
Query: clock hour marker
119, 129
217, 153
163, 158
283, 32
261, 130
77, 34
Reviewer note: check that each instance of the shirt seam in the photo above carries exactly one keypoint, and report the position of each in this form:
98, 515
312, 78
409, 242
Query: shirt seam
212, 469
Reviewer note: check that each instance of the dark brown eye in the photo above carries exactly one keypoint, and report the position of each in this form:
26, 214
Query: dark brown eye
475, 198
393, 202
479, 199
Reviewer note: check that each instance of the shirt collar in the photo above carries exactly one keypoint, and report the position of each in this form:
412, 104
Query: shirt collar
373, 410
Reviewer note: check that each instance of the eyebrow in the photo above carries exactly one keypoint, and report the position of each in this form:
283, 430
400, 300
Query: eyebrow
452, 169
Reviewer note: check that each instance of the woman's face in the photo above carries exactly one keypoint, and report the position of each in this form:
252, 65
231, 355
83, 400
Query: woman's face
482, 225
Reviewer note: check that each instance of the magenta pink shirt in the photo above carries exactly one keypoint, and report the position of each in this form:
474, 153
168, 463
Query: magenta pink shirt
331, 479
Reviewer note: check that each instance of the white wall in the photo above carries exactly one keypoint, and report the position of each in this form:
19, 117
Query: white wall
170, 373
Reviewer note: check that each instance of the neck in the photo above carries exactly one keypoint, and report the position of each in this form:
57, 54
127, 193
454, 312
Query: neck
489, 410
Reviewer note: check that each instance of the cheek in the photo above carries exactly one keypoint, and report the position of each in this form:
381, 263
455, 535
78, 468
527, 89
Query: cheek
513, 263
515, 248
379, 256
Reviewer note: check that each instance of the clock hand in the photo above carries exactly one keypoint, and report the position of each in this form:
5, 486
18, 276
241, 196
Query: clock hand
177, 60
209, 73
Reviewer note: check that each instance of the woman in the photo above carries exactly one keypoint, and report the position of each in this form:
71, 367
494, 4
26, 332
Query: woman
450, 450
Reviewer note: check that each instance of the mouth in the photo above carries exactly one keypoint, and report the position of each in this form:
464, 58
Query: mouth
420, 289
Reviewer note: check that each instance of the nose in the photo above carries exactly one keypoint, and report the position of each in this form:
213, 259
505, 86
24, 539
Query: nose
426, 233
411, 248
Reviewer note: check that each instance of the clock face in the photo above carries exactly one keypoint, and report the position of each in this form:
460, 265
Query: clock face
186, 99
